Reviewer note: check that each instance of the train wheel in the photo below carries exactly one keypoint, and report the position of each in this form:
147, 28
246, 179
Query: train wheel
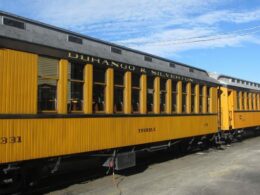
12, 181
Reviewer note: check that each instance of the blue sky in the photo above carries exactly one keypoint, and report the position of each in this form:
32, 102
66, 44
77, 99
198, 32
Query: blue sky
220, 36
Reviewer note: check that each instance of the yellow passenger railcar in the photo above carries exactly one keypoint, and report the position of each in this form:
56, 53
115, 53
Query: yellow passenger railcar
239, 105
65, 94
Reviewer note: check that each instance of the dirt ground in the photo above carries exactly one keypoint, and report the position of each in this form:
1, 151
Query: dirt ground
234, 170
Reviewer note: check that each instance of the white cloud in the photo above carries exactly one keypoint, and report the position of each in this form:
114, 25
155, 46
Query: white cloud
76, 12
148, 25
165, 43
228, 16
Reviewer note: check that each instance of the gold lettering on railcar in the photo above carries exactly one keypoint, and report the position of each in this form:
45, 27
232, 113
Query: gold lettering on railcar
143, 70
147, 130
11, 140
127, 67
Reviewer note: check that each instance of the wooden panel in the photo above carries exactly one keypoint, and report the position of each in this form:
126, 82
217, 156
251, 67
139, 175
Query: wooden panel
63, 87
53, 137
169, 96
258, 101
109, 96
127, 93
224, 109
179, 97
188, 99
88, 89
143, 94
197, 98
250, 106
246, 119
214, 96
18, 82
204, 101
246, 106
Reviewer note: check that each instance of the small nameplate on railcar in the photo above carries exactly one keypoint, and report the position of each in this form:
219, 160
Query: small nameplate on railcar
147, 130
11, 140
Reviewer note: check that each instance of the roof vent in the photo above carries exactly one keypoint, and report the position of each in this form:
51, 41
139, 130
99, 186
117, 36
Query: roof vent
14, 23
148, 59
172, 65
116, 50
75, 39
191, 70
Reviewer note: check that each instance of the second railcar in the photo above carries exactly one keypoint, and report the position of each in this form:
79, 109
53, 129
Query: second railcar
239, 102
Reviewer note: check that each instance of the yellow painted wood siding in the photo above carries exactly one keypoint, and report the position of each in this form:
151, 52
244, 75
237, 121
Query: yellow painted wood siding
18, 82
54, 137
109, 96
88, 89
179, 97
214, 96
246, 119
237, 119
204, 100
143, 94
197, 99
224, 109
62, 91
169, 96
128, 93
188, 98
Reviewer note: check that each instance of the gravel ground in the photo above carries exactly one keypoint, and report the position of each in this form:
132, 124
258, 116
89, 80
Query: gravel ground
234, 170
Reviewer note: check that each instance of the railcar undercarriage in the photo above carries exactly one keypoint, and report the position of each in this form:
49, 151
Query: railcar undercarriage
19, 176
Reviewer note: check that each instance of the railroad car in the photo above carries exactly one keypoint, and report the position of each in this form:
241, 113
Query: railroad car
63, 94
239, 102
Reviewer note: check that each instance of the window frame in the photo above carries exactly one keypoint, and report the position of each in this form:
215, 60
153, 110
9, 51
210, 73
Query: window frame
163, 91
174, 108
52, 78
72, 101
103, 85
184, 96
121, 87
138, 89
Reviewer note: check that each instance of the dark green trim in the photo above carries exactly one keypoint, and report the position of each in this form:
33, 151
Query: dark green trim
48, 116
247, 111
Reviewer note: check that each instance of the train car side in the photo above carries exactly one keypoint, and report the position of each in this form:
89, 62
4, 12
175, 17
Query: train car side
239, 105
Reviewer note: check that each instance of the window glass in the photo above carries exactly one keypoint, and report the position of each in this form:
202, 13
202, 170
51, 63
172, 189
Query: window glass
150, 92
163, 95
118, 91
238, 100
99, 89
47, 84
208, 99
248, 101
174, 96
75, 87
201, 99
243, 101
135, 92
257, 101
253, 101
